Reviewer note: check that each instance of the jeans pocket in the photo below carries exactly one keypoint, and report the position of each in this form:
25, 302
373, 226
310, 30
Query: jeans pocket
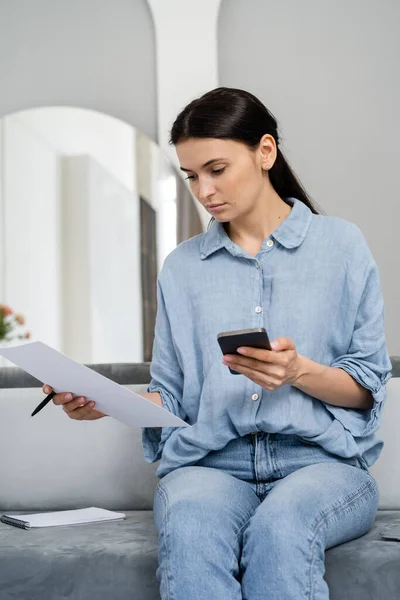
306, 442
362, 463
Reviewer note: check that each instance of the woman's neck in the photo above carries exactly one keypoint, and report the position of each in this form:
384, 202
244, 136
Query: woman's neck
252, 229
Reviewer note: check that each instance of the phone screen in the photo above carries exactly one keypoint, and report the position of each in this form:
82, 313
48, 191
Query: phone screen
230, 341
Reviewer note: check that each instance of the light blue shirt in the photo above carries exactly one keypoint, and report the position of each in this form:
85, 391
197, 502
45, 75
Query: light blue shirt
315, 281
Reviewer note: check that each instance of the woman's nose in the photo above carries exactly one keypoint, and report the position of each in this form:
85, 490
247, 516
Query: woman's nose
205, 190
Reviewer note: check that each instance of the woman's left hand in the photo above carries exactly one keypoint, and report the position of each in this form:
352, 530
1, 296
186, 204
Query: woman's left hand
269, 368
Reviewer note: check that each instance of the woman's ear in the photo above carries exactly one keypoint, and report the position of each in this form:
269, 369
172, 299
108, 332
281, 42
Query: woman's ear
268, 151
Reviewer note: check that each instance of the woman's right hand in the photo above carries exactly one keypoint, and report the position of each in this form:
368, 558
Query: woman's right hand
76, 408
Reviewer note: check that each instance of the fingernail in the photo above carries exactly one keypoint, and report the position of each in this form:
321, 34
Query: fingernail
241, 351
226, 359
46, 390
68, 396
91, 404
81, 401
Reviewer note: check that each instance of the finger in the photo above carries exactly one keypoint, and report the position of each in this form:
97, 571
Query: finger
82, 413
275, 368
260, 354
248, 364
63, 398
257, 377
75, 403
283, 343
46, 389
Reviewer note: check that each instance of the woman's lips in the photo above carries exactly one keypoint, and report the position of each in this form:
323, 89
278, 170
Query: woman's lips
216, 208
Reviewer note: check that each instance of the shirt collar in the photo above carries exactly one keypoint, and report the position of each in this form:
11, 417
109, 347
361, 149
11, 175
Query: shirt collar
290, 233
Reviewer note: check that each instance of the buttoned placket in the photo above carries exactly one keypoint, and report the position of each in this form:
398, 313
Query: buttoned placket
266, 247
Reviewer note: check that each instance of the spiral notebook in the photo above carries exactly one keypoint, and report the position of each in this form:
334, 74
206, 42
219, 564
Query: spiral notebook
62, 518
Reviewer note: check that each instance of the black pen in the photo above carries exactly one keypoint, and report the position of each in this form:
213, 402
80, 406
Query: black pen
43, 403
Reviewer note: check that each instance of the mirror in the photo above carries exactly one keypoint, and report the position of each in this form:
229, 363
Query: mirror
90, 207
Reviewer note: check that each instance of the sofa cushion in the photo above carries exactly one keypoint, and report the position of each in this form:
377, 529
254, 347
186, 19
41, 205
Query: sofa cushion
386, 469
119, 560
114, 560
367, 568
50, 462
54, 463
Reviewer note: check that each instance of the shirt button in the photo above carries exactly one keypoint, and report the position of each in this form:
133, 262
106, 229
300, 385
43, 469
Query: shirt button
270, 243
258, 309
254, 397
257, 264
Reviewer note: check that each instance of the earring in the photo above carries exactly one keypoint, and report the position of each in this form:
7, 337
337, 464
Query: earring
266, 167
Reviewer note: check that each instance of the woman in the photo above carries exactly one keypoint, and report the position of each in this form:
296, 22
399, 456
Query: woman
274, 468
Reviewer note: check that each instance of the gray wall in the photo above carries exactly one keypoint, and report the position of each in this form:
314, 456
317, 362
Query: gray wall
329, 71
93, 54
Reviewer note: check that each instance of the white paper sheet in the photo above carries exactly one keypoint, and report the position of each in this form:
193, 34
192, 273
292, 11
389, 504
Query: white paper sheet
65, 375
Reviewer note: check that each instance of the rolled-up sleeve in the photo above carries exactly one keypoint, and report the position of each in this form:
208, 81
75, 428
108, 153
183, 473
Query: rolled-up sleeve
166, 378
367, 359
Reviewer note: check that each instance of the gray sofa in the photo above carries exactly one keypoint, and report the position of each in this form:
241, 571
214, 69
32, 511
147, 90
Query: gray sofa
53, 463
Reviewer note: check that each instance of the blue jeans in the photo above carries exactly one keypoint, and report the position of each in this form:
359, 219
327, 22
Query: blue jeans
252, 521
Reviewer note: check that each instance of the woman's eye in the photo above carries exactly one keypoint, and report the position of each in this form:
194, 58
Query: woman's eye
215, 172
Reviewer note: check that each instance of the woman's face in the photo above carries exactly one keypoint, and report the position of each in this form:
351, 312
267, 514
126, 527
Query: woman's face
226, 176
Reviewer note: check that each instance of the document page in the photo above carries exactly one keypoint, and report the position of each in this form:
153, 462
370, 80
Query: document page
65, 375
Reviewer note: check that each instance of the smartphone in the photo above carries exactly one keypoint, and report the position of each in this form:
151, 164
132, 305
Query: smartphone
230, 341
